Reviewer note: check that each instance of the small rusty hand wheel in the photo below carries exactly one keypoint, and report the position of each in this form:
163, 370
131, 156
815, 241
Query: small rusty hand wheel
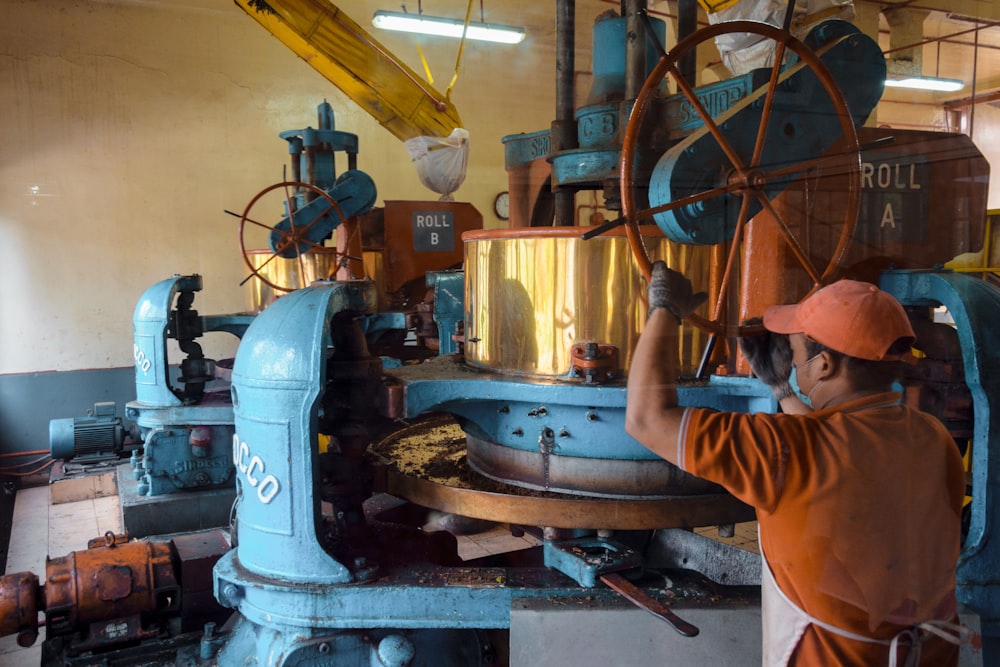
744, 176
295, 237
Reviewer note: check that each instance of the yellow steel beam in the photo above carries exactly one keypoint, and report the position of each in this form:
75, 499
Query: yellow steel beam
351, 59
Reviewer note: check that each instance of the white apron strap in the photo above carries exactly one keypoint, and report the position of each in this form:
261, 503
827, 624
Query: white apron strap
784, 623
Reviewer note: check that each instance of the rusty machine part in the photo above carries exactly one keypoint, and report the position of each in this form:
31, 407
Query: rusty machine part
115, 592
19, 607
595, 362
124, 581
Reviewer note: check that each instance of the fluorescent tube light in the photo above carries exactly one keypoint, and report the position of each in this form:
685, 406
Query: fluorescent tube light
927, 83
429, 25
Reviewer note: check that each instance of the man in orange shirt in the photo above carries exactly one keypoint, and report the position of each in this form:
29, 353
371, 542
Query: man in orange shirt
858, 499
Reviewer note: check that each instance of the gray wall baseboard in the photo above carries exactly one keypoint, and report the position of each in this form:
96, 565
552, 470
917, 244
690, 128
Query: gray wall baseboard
28, 401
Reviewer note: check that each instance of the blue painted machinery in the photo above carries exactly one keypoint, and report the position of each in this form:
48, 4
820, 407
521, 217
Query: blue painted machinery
347, 593
315, 201
543, 435
179, 426
678, 157
185, 420
358, 586
332, 601
314, 163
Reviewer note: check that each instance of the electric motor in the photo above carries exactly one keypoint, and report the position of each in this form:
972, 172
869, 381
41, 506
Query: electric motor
101, 435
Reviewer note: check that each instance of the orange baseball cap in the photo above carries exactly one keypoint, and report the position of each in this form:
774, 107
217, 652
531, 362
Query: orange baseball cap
853, 318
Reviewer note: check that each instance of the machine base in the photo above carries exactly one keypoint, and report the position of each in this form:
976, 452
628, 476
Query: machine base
180, 512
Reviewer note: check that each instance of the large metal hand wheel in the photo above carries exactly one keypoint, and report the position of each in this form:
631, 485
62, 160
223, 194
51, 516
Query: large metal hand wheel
745, 176
295, 238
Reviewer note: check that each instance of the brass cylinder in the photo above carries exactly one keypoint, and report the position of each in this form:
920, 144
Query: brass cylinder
531, 294
292, 274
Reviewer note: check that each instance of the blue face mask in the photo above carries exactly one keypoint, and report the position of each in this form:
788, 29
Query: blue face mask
793, 382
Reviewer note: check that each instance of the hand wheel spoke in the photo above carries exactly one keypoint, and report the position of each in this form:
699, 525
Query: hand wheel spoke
263, 225
713, 128
790, 239
291, 206
256, 271
734, 249
648, 213
765, 114
302, 268
318, 217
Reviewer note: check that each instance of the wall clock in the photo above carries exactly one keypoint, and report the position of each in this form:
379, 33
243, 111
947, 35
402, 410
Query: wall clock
501, 206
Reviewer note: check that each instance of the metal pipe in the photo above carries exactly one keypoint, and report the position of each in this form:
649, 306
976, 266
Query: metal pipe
985, 98
975, 70
947, 38
687, 23
565, 61
563, 132
635, 47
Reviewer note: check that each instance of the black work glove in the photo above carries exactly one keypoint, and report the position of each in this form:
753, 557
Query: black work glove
770, 358
671, 290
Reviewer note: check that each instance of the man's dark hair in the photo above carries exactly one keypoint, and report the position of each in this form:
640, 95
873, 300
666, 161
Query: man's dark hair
865, 373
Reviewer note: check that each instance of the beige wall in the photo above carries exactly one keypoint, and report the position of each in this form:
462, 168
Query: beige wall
986, 134
140, 121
